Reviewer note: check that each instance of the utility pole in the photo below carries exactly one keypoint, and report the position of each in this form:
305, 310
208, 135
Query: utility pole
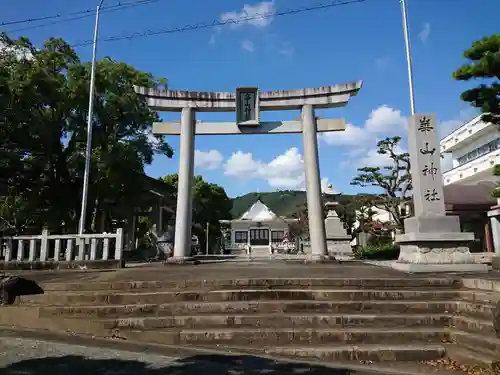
408, 56
88, 150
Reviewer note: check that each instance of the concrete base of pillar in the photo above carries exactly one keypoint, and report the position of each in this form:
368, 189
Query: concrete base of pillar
315, 258
181, 260
435, 244
340, 248
434, 268
338, 243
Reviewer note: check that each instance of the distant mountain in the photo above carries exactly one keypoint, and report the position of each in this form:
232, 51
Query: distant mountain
283, 203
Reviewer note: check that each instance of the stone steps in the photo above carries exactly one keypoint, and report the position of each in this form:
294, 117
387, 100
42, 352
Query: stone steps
247, 307
474, 325
472, 358
335, 353
313, 319
286, 336
475, 309
278, 320
264, 283
475, 349
146, 297
487, 345
479, 296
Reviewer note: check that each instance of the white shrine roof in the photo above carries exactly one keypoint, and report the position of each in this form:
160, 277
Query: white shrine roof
259, 212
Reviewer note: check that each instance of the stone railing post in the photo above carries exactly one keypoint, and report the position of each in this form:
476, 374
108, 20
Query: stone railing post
44, 246
119, 244
9, 250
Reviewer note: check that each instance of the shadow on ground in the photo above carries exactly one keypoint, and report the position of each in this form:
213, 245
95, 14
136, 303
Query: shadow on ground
195, 365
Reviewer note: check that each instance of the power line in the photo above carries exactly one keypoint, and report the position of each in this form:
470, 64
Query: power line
219, 23
73, 16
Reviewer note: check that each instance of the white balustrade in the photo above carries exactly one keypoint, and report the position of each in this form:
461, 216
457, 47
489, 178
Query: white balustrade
61, 247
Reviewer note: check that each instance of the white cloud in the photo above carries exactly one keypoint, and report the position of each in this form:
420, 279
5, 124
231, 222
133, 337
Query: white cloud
381, 121
247, 45
327, 187
351, 136
287, 49
285, 171
385, 119
373, 159
425, 32
259, 15
211, 159
448, 126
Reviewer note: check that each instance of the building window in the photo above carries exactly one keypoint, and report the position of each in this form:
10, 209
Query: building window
241, 236
259, 236
480, 151
462, 160
277, 235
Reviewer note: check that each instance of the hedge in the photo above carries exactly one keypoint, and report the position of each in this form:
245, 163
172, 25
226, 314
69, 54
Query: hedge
378, 252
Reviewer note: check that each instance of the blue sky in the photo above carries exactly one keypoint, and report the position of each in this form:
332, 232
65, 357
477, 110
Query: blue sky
340, 44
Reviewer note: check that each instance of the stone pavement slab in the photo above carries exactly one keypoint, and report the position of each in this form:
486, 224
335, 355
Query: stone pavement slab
233, 270
36, 356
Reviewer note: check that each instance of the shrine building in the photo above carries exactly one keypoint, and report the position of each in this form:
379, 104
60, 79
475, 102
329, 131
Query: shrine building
258, 227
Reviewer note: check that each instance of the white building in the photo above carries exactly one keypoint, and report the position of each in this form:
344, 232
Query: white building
258, 228
474, 149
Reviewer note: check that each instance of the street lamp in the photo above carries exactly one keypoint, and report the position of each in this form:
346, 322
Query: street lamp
88, 151
408, 56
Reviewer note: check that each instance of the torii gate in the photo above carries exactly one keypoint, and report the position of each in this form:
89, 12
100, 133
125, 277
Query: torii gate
247, 102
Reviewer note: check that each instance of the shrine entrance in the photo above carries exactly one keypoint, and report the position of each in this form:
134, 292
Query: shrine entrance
259, 237
247, 102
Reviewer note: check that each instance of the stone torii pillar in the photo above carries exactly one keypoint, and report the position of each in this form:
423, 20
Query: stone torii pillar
247, 103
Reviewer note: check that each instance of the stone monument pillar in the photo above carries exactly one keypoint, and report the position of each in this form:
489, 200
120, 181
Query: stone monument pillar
433, 242
338, 242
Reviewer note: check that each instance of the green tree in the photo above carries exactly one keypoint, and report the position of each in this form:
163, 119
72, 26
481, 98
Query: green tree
210, 204
495, 192
484, 56
121, 140
394, 180
43, 113
34, 180
300, 228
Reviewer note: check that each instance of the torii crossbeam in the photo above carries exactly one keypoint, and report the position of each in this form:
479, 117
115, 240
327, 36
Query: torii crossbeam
247, 102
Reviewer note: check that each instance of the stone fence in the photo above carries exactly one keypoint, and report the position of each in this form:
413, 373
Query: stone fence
54, 251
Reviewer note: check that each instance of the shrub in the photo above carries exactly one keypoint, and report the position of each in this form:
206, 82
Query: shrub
378, 252
377, 240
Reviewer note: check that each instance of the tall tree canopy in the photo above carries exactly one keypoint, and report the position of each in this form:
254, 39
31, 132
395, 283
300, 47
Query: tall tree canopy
394, 180
44, 96
484, 56
210, 204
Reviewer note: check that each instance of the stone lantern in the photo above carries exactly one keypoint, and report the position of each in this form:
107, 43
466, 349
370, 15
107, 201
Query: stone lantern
338, 242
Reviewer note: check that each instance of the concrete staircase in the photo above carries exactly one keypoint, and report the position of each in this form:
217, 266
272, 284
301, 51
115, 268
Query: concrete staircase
474, 340
333, 319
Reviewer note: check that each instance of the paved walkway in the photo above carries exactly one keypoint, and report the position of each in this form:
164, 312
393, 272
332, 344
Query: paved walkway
40, 357
234, 270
